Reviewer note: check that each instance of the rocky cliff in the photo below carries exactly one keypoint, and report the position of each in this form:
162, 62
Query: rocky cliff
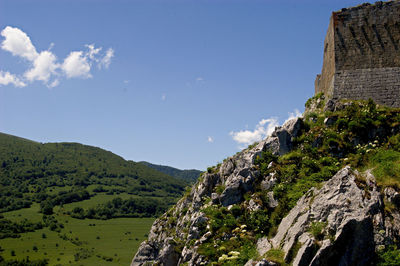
294, 198
320, 190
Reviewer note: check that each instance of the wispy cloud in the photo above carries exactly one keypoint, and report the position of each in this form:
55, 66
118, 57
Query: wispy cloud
210, 139
163, 97
7, 78
106, 60
44, 65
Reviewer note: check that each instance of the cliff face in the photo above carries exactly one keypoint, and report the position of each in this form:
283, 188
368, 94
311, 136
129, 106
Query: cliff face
175, 237
291, 199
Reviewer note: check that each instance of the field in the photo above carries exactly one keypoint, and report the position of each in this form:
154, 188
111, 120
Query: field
80, 242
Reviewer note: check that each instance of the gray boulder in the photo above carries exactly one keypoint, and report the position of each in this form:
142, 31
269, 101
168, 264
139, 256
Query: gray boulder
333, 225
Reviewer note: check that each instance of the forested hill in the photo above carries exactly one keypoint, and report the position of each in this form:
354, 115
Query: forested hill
189, 175
30, 170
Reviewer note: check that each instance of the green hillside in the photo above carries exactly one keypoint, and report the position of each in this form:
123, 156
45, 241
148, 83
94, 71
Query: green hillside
189, 175
73, 204
60, 173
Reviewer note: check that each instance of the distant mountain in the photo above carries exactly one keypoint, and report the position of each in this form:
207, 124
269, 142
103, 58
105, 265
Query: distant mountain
29, 171
190, 175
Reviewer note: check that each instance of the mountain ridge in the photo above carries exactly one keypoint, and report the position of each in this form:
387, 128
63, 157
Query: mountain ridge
37, 167
185, 174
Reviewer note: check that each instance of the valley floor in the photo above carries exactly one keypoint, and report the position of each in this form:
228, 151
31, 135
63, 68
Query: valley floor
80, 242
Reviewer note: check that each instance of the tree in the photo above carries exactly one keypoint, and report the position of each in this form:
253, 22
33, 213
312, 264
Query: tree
46, 207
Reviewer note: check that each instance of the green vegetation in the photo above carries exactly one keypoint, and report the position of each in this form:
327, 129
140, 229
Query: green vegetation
386, 167
33, 172
132, 207
67, 203
389, 256
233, 232
318, 100
276, 255
186, 175
317, 230
360, 134
79, 242
14, 229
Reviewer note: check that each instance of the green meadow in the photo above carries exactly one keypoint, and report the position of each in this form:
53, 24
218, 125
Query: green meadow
74, 204
80, 242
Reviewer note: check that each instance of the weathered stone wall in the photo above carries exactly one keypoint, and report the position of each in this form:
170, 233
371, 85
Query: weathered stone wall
365, 38
380, 84
328, 69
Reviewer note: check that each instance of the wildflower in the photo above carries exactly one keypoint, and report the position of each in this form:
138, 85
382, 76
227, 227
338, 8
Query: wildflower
223, 258
234, 253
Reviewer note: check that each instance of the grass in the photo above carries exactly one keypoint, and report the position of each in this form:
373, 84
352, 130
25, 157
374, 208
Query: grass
386, 165
276, 255
99, 198
103, 242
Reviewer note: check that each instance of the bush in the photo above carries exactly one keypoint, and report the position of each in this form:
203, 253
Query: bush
389, 256
46, 207
317, 230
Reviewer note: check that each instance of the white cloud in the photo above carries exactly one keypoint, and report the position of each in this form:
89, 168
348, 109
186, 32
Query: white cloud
8, 78
44, 66
292, 115
55, 83
163, 97
199, 79
92, 51
264, 128
18, 43
76, 65
106, 60
210, 139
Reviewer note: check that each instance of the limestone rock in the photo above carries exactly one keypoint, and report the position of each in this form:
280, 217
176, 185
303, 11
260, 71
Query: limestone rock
346, 214
237, 175
253, 206
272, 202
268, 182
263, 245
280, 141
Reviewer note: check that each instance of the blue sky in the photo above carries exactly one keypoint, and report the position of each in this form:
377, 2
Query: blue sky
180, 83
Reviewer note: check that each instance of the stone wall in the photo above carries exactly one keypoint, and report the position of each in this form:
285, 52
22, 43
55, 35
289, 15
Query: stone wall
328, 68
365, 38
380, 84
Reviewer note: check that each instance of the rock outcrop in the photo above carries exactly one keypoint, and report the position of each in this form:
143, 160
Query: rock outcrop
236, 175
340, 224
347, 217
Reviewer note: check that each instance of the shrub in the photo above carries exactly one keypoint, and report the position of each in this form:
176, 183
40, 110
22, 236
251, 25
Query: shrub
317, 230
276, 255
389, 256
